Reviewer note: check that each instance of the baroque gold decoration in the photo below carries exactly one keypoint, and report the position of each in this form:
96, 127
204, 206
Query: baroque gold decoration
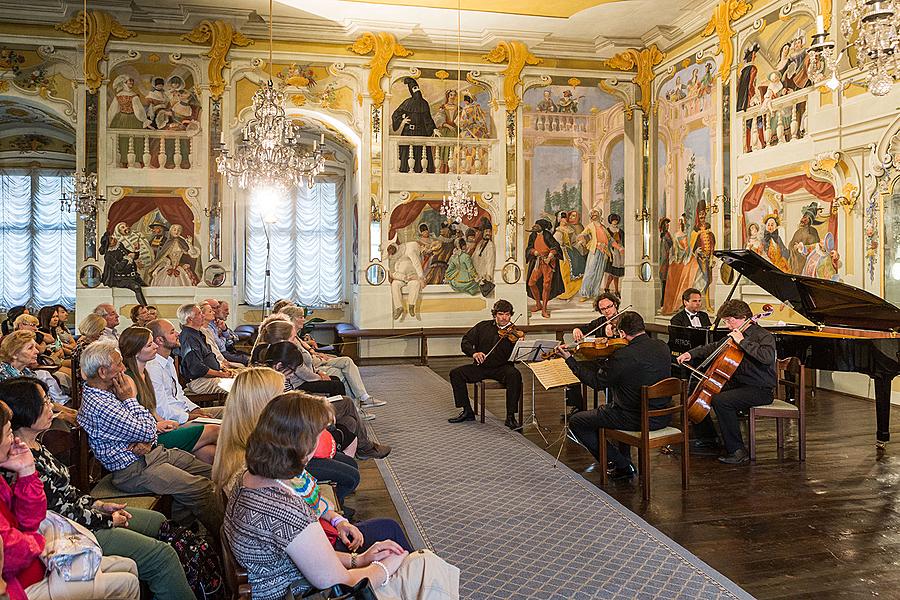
606, 87
220, 36
442, 74
517, 56
100, 26
385, 47
644, 61
574, 81
720, 24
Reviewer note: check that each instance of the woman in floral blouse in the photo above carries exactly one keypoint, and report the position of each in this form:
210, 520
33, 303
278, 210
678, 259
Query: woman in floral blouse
123, 532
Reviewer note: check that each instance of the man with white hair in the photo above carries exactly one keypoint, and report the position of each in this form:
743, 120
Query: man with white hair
108, 312
199, 366
209, 331
122, 435
223, 335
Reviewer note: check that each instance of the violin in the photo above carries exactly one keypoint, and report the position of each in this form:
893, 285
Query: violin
511, 333
591, 349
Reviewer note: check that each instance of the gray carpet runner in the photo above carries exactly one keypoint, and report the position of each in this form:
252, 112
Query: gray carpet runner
490, 502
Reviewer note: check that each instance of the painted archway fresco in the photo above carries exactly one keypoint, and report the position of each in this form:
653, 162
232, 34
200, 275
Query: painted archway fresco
687, 127
575, 191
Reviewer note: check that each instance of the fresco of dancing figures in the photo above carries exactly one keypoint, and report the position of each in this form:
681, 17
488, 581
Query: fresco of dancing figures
687, 128
426, 250
441, 126
575, 190
789, 222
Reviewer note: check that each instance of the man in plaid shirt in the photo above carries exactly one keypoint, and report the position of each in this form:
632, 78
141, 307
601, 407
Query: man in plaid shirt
122, 434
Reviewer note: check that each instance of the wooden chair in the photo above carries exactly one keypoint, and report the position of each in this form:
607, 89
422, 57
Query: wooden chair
489, 384
789, 403
235, 575
645, 440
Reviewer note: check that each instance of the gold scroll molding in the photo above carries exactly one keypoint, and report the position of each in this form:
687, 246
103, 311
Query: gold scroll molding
100, 27
720, 24
644, 61
385, 47
220, 36
606, 87
517, 56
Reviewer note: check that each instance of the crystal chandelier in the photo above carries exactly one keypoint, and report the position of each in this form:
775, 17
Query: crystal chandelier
270, 152
458, 204
876, 26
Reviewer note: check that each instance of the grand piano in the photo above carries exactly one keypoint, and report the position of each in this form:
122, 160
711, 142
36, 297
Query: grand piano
853, 331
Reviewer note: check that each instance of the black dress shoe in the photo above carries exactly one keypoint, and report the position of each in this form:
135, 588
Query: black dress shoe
465, 415
738, 457
509, 422
623, 474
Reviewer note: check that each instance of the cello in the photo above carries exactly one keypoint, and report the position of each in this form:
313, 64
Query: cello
719, 367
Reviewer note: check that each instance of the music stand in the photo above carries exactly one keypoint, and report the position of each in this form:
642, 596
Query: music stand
529, 351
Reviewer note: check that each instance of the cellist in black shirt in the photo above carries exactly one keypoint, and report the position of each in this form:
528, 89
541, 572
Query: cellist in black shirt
753, 382
490, 348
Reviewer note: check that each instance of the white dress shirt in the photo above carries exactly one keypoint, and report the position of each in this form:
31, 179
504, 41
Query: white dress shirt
694, 318
110, 334
171, 403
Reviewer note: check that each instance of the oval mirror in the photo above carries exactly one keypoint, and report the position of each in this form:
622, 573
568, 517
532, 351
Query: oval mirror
646, 271
90, 276
375, 274
214, 275
727, 274
511, 273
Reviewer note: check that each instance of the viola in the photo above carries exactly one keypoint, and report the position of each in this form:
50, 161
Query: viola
720, 366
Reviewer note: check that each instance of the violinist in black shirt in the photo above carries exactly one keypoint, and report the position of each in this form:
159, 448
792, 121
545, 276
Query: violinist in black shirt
607, 304
753, 382
490, 344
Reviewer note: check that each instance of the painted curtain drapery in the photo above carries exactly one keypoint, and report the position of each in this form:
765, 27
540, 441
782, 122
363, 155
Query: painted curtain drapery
37, 239
306, 259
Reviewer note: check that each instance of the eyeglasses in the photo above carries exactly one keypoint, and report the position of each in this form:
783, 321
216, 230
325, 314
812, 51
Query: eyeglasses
606, 307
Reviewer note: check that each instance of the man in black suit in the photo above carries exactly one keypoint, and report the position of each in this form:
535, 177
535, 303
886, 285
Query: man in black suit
690, 315
491, 352
752, 384
644, 361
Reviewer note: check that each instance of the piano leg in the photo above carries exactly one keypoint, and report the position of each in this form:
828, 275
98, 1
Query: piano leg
882, 410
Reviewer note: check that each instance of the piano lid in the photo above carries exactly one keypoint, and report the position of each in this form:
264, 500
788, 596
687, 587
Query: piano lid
822, 301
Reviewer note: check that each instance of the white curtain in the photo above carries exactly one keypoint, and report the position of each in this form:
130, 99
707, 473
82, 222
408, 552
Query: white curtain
306, 258
37, 239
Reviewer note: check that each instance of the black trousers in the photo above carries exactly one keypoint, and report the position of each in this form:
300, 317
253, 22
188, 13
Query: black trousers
341, 469
332, 387
586, 425
506, 375
728, 402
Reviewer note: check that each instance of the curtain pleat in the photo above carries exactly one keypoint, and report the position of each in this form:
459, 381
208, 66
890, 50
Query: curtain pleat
37, 240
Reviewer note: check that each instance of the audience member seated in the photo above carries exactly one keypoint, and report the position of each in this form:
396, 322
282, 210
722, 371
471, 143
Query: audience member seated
48, 354
249, 395
341, 367
152, 313
138, 348
199, 366
304, 377
139, 315
108, 312
280, 304
90, 328
11, 315
65, 335
18, 352
224, 336
274, 533
285, 357
22, 508
50, 324
122, 435
208, 329
124, 532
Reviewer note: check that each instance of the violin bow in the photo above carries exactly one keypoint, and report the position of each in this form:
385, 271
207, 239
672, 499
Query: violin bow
508, 325
609, 320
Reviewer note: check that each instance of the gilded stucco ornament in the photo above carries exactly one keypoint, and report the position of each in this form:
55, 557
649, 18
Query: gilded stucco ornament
220, 36
100, 27
609, 88
720, 23
517, 56
644, 61
385, 47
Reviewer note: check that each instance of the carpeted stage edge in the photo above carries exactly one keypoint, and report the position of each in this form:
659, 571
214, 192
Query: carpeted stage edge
491, 502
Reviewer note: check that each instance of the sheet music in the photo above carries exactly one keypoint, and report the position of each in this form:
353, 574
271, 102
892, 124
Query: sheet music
553, 373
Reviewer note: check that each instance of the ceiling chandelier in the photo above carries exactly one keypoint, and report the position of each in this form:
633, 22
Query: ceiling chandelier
458, 204
270, 151
876, 26
85, 197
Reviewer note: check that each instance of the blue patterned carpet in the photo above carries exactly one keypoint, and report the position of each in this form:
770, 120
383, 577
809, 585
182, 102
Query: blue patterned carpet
490, 502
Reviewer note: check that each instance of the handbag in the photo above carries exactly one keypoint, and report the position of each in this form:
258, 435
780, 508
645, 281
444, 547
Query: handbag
361, 591
71, 550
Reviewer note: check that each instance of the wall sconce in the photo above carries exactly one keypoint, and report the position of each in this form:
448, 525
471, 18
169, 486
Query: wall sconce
513, 219
376, 212
714, 205
642, 215
842, 201
214, 209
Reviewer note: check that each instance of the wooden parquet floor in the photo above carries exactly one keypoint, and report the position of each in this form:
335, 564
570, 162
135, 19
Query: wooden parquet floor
826, 528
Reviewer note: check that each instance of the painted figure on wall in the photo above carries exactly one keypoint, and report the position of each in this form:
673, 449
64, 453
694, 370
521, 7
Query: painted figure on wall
746, 90
596, 241
547, 104
177, 261
774, 247
445, 119
666, 255
823, 260
702, 247
806, 237
615, 267
441, 250
543, 276
121, 253
406, 277
413, 118
461, 273
754, 239
572, 259
484, 255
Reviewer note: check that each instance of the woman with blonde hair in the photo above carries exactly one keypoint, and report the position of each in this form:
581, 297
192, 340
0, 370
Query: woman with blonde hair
138, 348
18, 353
305, 376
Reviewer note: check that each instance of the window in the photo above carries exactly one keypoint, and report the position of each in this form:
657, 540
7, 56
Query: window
305, 244
37, 239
